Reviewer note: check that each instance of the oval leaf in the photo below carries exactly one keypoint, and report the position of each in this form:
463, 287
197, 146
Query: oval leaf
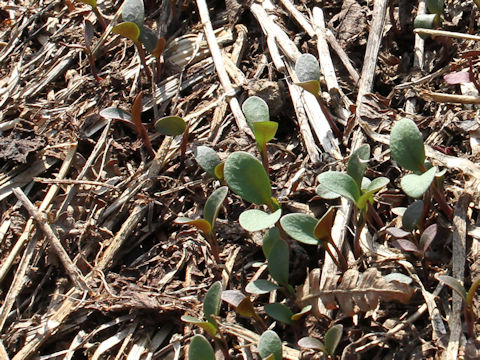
247, 178
300, 227
332, 338
242, 304
269, 239
278, 262
200, 349
311, 343
128, 29
428, 235
264, 131
213, 205
260, 286
205, 325
406, 245
307, 68
452, 283
324, 226
324, 193
415, 185
427, 21
357, 164
207, 158
397, 233
340, 183
212, 302
255, 110
412, 215
133, 11
171, 125
115, 113
302, 312
269, 343
406, 145
256, 220
148, 38
279, 312
376, 185
201, 224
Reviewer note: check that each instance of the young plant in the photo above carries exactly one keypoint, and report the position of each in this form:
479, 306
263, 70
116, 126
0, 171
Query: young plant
98, 14
407, 149
355, 187
207, 224
242, 305
258, 117
467, 297
270, 346
308, 230
332, 339
209, 161
307, 70
200, 349
132, 28
407, 241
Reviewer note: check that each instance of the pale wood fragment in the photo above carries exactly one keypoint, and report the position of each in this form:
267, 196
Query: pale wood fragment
298, 16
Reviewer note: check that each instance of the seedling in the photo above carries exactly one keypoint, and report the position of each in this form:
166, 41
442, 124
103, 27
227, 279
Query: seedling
355, 187
211, 309
133, 119
209, 161
246, 177
243, 306
132, 28
284, 314
270, 346
98, 14
407, 149
467, 297
257, 114
332, 339
308, 230
200, 349
420, 247
307, 70
207, 224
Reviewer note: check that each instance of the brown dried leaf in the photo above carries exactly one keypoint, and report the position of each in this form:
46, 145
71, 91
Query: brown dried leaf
356, 292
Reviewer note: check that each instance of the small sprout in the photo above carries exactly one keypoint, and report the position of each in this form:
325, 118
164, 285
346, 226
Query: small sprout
332, 339
256, 220
307, 69
467, 297
210, 214
258, 117
308, 230
208, 160
426, 239
247, 178
200, 349
170, 125
242, 304
211, 308
270, 346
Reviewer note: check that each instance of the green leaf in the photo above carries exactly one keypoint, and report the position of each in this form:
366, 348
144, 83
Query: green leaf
201, 224
268, 344
278, 262
92, 3
207, 158
340, 183
357, 164
219, 171
415, 185
213, 205
323, 227
200, 349
242, 304
435, 6
260, 286
116, 114
324, 193
406, 145
412, 215
269, 240
332, 338
427, 21
212, 302
256, 220
307, 68
376, 185
313, 87
255, 110
300, 227
312, 343
264, 131
171, 125
302, 312
148, 38
279, 312
247, 178
129, 30
133, 11
453, 283
210, 328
